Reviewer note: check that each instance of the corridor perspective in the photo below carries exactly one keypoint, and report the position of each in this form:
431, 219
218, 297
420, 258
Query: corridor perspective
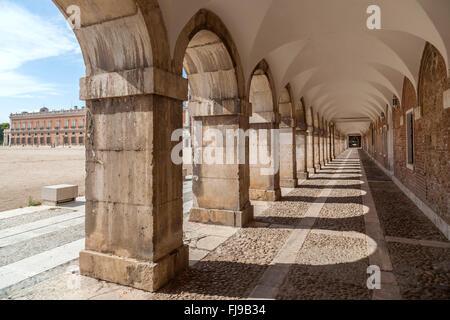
317, 242
316, 134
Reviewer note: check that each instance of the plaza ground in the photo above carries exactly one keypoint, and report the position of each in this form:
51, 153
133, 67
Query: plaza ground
316, 243
24, 171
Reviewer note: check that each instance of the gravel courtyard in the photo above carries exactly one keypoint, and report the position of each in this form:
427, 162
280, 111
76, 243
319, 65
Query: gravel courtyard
24, 171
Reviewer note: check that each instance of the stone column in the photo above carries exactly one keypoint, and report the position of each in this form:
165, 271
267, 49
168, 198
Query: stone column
134, 208
322, 146
326, 143
316, 149
330, 144
310, 150
264, 178
288, 158
301, 153
220, 185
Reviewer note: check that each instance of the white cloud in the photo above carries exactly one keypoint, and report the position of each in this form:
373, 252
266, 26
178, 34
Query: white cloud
26, 37
21, 86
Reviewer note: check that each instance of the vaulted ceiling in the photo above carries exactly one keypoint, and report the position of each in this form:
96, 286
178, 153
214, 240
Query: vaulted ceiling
324, 49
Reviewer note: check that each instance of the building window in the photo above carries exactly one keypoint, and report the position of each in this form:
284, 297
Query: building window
74, 123
80, 123
410, 138
42, 124
49, 124
58, 122
66, 123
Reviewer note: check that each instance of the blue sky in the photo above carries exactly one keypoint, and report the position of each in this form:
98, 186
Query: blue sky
40, 59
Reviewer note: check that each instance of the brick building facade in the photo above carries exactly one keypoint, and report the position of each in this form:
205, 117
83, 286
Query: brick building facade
420, 126
47, 128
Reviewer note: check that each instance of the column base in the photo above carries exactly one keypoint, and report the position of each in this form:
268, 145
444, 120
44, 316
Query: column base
302, 176
265, 195
143, 275
288, 183
229, 218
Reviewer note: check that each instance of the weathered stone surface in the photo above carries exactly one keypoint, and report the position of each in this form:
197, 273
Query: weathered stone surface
288, 163
133, 82
222, 217
145, 275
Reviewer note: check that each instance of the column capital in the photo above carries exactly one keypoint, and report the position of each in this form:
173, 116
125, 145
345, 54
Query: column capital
265, 117
287, 122
135, 82
223, 107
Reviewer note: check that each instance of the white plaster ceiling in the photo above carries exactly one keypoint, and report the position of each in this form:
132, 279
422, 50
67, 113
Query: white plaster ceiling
325, 51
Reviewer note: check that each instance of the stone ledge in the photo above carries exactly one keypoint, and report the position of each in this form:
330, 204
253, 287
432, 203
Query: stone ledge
222, 217
143, 275
288, 183
213, 108
132, 83
302, 175
265, 195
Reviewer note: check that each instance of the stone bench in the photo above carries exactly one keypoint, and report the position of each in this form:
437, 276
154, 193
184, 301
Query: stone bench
59, 195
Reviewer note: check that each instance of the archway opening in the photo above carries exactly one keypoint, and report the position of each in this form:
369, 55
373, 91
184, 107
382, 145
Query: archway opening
264, 137
217, 114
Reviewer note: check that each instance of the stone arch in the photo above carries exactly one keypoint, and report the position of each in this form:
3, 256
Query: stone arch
217, 104
288, 145
133, 211
262, 95
300, 114
309, 117
286, 106
206, 29
264, 125
120, 35
211, 75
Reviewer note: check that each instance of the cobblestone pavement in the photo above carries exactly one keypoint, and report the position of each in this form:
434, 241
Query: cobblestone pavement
420, 254
313, 244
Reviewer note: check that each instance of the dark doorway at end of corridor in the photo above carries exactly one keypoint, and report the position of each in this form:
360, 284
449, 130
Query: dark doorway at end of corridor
354, 141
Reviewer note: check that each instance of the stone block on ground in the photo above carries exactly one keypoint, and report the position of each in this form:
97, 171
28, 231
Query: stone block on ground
59, 194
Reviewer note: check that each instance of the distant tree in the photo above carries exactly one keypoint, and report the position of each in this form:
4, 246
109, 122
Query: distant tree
3, 127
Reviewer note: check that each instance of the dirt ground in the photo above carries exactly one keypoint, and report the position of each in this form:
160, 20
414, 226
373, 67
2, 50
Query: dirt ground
24, 171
